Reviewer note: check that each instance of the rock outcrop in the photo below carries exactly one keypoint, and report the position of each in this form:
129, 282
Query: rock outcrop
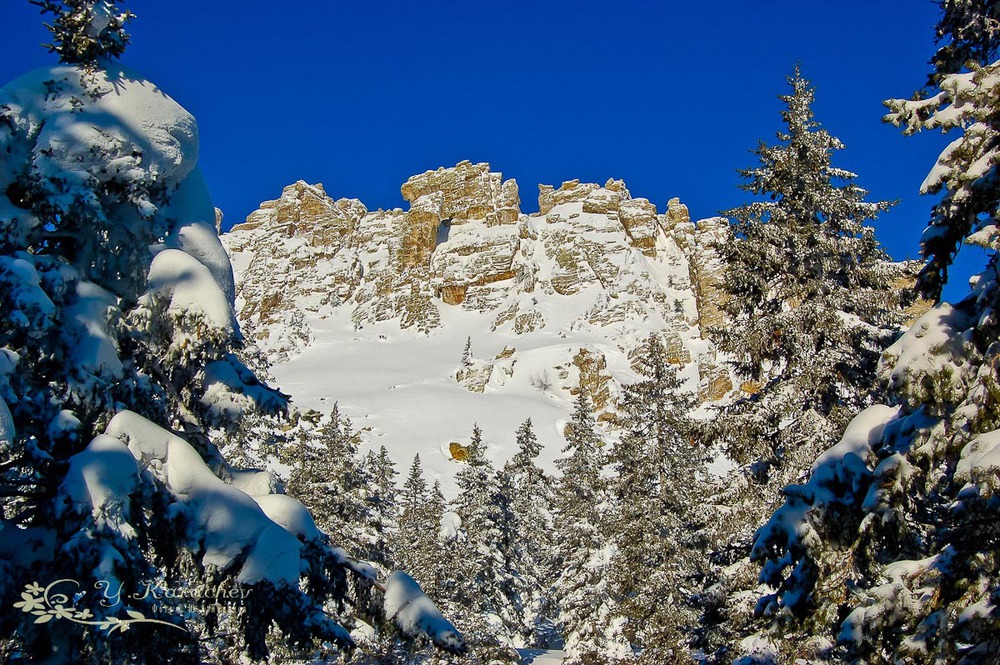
466, 192
592, 258
706, 269
636, 216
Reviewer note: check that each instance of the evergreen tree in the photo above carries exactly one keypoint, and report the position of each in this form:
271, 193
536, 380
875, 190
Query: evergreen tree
967, 32
467, 353
811, 297
582, 592
86, 31
382, 504
329, 478
653, 522
963, 101
417, 535
441, 550
119, 366
438, 568
529, 549
891, 546
483, 582
812, 305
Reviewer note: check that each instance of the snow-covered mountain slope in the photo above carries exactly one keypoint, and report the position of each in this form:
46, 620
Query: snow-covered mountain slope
374, 310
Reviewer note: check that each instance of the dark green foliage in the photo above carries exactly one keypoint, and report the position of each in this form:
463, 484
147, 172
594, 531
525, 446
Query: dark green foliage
812, 296
86, 31
654, 522
967, 32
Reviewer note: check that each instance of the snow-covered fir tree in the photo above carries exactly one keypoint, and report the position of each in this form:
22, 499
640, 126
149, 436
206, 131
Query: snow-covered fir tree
490, 616
529, 551
86, 31
890, 552
962, 101
587, 612
968, 31
118, 365
383, 510
419, 525
331, 479
812, 300
438, 569
467, 353
653, 520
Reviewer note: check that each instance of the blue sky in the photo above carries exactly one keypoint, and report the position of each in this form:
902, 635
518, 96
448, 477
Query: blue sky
361, 95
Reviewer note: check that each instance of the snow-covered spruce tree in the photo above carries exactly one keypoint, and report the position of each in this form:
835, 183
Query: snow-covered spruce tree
86, 31
382, 507
439, 570
964, 100
968, 31
587, 620
653, 522
116, 364
812, 301
329, 477
419, 526
488, 615
893, 542
530, 548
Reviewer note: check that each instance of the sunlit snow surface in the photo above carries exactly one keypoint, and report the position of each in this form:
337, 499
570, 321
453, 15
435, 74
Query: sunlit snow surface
541, 657
398, 387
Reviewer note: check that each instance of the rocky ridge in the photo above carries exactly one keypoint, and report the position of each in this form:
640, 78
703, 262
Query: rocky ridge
592, 258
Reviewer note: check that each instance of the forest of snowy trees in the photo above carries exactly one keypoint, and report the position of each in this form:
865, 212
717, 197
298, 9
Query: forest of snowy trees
860, 524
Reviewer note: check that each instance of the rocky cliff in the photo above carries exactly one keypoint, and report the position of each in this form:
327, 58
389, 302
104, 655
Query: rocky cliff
593, 258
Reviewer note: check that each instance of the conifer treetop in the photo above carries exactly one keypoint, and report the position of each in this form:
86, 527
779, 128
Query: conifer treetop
967, 32
86, 31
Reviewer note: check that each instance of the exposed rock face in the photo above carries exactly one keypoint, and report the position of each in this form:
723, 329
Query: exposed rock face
595, 381
594, 258
421, 229
466, 192
473, 257
706, 269
476, 374
638, 216
613, 200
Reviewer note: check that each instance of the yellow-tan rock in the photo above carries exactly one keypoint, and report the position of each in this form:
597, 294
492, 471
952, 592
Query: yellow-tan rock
459, 453
638, 217
716, 381
468, 191
595, 381
422, 224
